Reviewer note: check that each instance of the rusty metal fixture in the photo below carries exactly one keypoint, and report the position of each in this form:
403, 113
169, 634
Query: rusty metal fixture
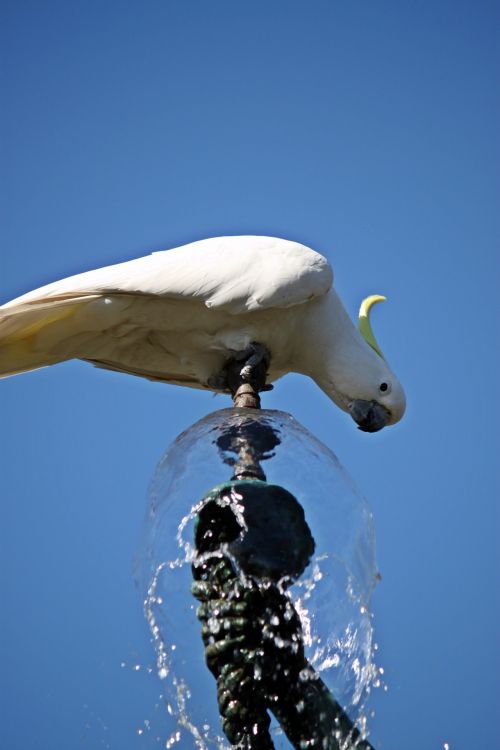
245, 397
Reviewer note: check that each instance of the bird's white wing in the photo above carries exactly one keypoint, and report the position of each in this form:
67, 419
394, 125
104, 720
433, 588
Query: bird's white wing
236, 274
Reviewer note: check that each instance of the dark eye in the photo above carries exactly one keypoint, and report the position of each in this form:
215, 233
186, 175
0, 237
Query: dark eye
384, 387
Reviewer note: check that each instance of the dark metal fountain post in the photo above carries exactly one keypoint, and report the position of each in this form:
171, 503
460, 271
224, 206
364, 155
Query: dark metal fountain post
252, 542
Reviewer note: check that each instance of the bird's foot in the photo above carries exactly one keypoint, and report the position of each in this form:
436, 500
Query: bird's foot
256, 359
245, 368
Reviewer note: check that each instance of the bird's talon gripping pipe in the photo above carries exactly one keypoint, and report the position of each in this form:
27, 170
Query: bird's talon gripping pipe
247, 381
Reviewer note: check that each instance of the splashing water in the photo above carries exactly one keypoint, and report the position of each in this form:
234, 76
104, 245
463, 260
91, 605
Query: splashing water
332, 597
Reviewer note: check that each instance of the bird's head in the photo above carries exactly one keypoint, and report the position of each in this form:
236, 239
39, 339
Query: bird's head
359, 379
381, 400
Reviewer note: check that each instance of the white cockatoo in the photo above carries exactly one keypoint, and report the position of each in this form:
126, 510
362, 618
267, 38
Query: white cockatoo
179, 315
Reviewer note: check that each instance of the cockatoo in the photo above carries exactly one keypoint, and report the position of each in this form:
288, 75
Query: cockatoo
179, 315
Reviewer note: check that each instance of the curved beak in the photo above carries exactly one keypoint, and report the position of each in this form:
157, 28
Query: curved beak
370, 416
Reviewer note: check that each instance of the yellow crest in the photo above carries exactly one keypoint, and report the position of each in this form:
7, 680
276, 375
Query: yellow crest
364, 322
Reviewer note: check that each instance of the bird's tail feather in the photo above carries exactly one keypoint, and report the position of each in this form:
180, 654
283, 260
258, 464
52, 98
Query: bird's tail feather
22, 327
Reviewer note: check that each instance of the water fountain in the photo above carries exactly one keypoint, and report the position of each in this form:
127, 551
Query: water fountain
257, 562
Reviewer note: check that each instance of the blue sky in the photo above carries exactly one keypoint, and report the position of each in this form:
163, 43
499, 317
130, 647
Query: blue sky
366, 130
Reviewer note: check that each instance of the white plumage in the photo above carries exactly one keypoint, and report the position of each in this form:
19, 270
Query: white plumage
179, 315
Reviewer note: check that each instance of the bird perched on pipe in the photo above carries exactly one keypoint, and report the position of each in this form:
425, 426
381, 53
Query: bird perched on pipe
179, 316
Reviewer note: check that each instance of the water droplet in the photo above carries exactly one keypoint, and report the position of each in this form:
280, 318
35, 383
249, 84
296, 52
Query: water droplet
214, 624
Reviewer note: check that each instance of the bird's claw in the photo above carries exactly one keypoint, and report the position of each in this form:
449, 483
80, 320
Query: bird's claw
246, 372
254, 360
